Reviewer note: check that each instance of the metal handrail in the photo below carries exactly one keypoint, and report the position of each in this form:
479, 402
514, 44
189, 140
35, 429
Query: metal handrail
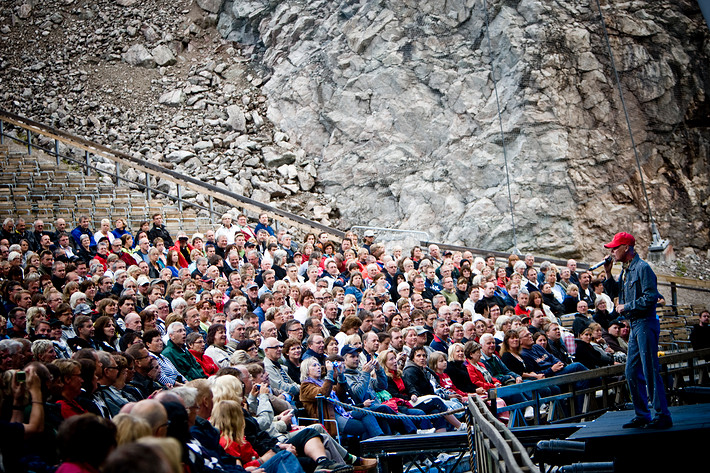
149, 168
496, 449
392, 230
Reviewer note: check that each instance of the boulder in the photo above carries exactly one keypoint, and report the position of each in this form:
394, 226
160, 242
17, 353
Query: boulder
138, 55
274, 157
163, 56
173, 98
236, 120
212, 6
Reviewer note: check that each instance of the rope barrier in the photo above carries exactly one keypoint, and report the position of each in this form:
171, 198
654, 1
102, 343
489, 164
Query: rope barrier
395, 416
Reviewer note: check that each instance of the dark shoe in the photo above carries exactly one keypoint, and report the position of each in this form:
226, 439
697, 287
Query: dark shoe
636, 423
329, 466
365, 465
660, 423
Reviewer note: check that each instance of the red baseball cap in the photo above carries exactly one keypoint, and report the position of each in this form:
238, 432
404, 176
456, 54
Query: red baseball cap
621, 238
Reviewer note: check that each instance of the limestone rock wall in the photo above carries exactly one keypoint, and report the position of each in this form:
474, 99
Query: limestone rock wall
396, 101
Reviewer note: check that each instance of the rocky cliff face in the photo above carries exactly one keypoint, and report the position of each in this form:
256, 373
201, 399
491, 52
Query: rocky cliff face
385, 112
153, 78
397, 101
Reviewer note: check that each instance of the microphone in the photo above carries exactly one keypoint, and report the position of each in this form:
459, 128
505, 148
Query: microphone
606, 260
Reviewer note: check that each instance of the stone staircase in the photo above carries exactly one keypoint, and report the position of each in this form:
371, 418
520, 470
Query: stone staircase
34, 186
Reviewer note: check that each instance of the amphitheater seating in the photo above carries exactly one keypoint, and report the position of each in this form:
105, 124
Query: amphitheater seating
34, 186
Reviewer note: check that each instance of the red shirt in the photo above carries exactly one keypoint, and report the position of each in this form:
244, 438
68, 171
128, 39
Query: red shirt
243, 451
70, 408
520, 311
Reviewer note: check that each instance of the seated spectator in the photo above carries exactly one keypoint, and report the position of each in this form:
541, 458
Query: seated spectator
144, 380
292, 351
84, 443
700, 336
582, 318
84, 329
196, 346
441, 340
168, 373
176, 351
217, 348
571, 299
70, 371
417, 382
555, 345
357, 423
588, 355
602, 315
105, 338
111, 382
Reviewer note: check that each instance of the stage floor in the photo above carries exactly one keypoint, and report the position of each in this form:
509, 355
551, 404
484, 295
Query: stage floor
683, 445
685, 418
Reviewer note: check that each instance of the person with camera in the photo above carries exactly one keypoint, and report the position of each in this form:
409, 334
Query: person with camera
333, 385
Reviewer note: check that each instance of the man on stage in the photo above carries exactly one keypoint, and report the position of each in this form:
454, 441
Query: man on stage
637, 292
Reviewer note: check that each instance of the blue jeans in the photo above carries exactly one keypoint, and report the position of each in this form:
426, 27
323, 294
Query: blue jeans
361, 424
388, 426
423, 424
643, 374
434, 406
282, 462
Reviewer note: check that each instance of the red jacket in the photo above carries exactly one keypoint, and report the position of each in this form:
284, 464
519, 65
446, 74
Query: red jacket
206, 363
478, 379
182, 262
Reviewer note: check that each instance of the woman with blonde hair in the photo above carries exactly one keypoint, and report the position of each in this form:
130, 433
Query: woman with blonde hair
228, 418
130, 428
69, 289
227, 388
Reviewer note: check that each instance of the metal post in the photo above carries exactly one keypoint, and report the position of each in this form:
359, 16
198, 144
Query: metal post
88, 163
674, 296
2, 133
56, 151
320, 399
492, 397
118, 173
179, 199
147, 187
29, 142
211, 205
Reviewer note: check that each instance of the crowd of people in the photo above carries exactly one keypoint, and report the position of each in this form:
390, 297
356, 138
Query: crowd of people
204, 350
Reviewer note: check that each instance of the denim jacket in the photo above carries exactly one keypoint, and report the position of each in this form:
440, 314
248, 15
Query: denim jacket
636, 289
361, 385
